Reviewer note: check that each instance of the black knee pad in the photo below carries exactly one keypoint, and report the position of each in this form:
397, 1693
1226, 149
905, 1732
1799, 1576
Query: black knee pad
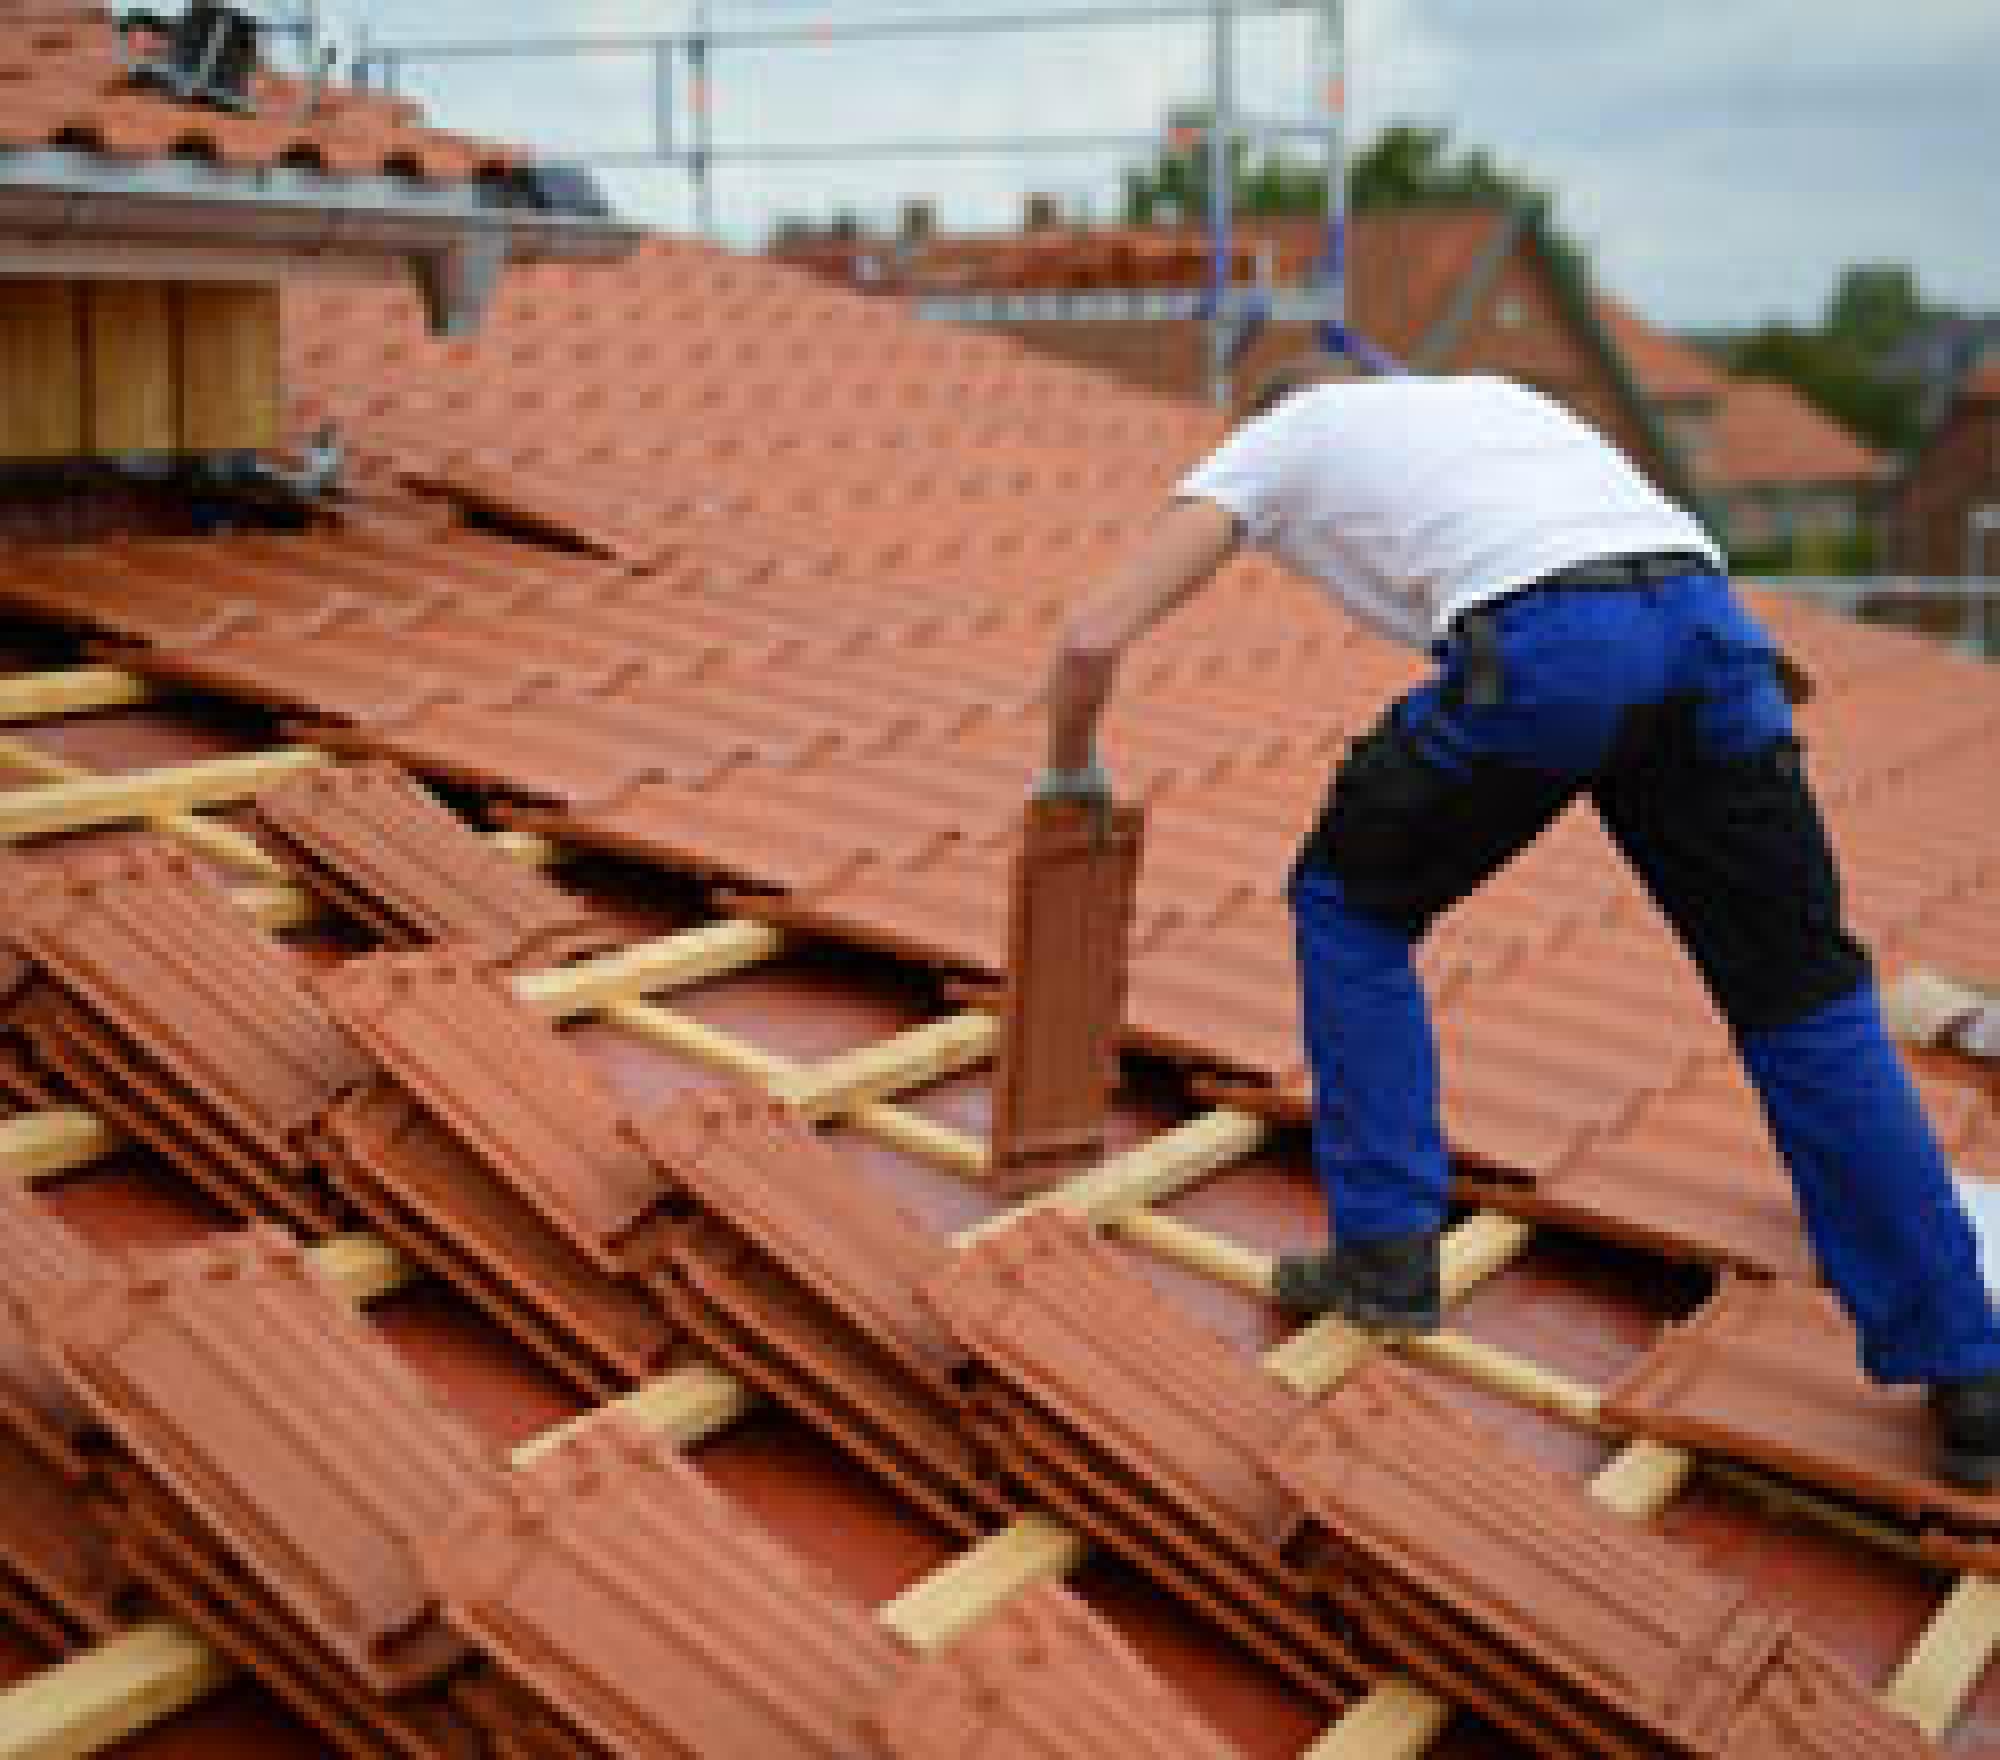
1408, 838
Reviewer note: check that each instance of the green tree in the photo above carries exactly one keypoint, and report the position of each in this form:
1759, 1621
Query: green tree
1842, 364
1830, 372
1874, 307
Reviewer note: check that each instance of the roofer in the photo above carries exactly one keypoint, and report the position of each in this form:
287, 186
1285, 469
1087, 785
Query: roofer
1586, 641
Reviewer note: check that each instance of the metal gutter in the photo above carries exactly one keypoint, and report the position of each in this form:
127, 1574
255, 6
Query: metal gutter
66, 211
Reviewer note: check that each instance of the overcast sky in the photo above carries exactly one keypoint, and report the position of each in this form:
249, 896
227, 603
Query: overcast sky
1721, 158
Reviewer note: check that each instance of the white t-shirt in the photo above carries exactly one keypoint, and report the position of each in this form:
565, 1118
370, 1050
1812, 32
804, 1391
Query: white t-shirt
1410, 499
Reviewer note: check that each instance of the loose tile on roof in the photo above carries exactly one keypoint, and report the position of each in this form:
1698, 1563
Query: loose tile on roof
1766, 1372
273, 1466
630, 1597
377, 847
1040, 1678
499, 1078
804, 1279
1069, 928
163, 1003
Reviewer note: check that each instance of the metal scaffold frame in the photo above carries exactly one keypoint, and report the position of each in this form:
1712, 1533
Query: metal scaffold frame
686, 65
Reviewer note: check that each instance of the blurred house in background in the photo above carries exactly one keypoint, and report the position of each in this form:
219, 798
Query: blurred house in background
1447, 288
1944, 512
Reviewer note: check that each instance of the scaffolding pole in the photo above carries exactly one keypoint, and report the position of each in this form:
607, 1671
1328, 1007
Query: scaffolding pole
1222, 139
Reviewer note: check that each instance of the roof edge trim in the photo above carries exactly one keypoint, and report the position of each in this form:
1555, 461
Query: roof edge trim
57, 195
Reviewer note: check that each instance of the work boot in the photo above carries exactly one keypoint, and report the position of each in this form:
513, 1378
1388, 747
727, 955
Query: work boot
1967, 1416
1388, 1285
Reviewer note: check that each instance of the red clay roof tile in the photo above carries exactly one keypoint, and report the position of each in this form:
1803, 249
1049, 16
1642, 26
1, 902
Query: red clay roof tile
1768, 436
1069, 930
804, 1279
375, 845
69, 88
281, 1424
166, 1005
60, 1579
634, 1599
761, 1169
36, 1248
501, 1080
1140, 1426
1040, 1678
1667, 368
438, 1201
57, 1573
1507, 1585
1766, 1372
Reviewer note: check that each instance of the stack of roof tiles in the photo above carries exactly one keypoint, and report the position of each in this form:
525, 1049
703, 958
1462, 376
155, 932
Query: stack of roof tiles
59, 1578
160, 1001
270, 1468
803, 1280
1375, 1524
265, 1464
488, 1149
371, 843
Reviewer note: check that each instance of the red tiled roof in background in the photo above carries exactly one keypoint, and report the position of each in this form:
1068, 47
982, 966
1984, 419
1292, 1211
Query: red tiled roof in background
1403, 266
1666, 368
1768, 436
1982, 385
64, 84
1761, 434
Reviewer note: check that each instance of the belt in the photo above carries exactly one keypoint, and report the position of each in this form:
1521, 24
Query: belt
1645, 570
1479, 637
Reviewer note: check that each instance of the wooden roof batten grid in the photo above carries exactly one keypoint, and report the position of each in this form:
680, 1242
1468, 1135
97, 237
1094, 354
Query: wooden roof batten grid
117, 1687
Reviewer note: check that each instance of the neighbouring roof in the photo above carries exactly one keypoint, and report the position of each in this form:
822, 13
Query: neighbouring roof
1667, 368
1403, 266
1982, 384
1757, 433
1768, 436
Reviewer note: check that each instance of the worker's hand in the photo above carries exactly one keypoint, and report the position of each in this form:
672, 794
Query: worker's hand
1079, 683
1088, 785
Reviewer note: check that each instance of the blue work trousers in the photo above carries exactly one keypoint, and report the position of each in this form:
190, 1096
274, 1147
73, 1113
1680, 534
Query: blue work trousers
1662, 703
